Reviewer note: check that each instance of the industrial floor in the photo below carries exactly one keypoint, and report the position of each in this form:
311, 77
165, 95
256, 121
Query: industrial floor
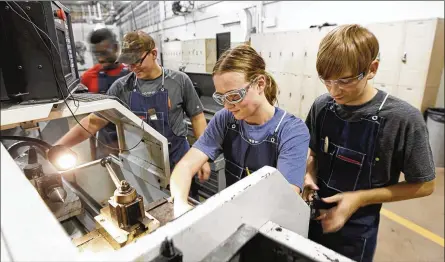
413, 230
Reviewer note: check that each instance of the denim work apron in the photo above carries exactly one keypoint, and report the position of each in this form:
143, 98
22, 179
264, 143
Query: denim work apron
105, 81
154, 110
243, 155
346, 161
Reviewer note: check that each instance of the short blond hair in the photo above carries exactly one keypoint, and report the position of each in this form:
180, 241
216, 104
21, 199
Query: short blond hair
347, 48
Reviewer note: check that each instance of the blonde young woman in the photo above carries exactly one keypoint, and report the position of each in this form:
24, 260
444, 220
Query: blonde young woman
250, 131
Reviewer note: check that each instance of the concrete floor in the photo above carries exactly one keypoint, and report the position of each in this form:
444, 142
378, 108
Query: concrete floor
399, 243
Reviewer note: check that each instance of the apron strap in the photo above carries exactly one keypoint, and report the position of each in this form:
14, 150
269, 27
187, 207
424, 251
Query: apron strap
384, 100
124, 71
162, 81
279, 123
131, 83
232, 122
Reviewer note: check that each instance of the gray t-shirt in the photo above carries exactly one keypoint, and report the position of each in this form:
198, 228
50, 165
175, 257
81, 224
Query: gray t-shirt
292, 133
403, 144
182, 95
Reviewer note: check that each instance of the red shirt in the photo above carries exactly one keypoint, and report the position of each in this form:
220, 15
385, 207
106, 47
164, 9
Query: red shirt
90, 78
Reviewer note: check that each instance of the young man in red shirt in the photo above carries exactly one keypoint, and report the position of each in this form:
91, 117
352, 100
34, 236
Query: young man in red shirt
101, 76
105, 48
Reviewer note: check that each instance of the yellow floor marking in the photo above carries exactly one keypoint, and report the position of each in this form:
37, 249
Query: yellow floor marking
410, 225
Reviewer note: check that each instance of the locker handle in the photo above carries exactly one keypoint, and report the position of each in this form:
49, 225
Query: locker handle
404, 58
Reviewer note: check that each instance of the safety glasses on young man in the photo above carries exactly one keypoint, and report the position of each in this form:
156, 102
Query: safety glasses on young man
231, 97
343, 82
103, 53
139, 61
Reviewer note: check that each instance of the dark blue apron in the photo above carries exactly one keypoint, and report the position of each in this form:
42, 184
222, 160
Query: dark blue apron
154, 110
346, 162
108, 134
105, 81
243, 155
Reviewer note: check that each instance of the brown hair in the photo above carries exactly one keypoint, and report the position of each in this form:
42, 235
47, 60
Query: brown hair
244, 59
346, 48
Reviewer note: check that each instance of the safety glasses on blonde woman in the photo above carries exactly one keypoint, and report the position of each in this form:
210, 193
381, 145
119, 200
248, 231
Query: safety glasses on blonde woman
234, 96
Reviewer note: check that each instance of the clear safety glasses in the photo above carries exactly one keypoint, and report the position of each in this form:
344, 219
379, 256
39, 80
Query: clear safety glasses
344, 82
231, 97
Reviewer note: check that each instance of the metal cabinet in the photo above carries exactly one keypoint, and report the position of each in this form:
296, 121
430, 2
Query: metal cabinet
172, 55
194, 56
199, 55
391, 38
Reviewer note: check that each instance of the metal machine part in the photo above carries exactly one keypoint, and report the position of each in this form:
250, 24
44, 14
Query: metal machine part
126, 206
33, 171
168, 252
270, 243
122, 220
53, 190
249, 244
50, 185
56, 194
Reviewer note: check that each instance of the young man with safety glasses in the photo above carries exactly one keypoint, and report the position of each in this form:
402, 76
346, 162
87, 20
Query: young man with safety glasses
361, 140
105, 48
158, 95
101, 76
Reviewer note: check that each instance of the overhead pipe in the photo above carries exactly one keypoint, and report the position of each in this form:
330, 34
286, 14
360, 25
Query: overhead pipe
94, 12
248, 24
120, 9
89, 15
260, 16
79, 2
83, 15
99, 13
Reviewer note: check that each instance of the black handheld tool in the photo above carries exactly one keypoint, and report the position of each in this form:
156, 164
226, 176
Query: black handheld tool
316, 204
168, 252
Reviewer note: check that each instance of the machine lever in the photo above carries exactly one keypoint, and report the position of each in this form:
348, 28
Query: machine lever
106, 163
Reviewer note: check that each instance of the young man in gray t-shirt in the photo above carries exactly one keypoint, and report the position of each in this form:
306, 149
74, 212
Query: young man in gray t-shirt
160, 96
361, 140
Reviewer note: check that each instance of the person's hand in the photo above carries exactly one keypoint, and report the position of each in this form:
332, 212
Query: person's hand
204, 172
334, 218
309, 186
180, 207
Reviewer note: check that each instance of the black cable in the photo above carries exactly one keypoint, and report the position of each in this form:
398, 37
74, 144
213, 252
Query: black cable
57, 82
27, 139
